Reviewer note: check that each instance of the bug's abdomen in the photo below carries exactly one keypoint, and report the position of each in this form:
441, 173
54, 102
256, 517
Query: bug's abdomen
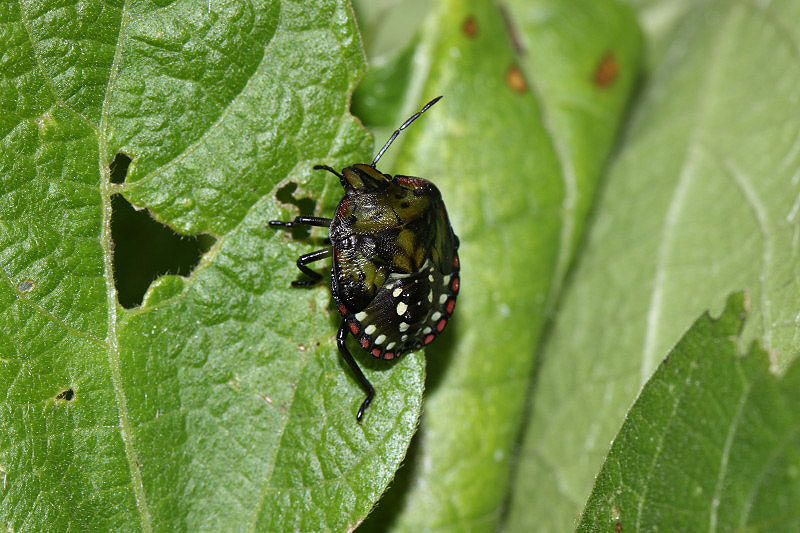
408, 312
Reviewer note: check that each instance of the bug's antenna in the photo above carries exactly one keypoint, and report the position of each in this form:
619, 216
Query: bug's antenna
411, 119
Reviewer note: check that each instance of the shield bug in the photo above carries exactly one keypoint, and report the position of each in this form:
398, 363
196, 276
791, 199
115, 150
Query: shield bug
395, 271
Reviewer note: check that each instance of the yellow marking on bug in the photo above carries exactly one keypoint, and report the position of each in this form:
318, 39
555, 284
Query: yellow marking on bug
405, 240
402, 261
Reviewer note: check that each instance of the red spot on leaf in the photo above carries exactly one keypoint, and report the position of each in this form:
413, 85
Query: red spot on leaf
470, 27
606, 71
516, 80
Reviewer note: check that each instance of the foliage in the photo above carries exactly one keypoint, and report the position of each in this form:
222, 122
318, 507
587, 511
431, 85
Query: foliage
217, 400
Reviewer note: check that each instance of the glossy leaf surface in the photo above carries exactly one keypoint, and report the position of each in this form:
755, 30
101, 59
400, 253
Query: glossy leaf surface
220, 402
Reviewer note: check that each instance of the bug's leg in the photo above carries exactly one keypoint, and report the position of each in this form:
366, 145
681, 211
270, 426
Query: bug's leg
303, 260
362, 380
302, 221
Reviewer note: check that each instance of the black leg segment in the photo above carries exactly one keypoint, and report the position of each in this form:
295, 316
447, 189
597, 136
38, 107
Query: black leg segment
303, 260
362, 380
302, 221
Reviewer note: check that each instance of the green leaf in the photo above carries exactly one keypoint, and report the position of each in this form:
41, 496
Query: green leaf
221, 402
502, 146
710, 444
700, 202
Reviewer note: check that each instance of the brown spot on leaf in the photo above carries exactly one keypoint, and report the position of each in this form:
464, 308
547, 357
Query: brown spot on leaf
470, 27
607, 71
516, 80
511, 30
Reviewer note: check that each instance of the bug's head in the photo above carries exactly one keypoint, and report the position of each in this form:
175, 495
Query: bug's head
364, 178
405, 196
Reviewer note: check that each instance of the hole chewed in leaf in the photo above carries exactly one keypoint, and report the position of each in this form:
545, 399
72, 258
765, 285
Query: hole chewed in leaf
66, 395
119, 168
305, 206
145, 249
25, 285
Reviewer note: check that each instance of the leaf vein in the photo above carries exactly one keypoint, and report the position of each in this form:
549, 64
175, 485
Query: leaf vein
113, 351
680, 194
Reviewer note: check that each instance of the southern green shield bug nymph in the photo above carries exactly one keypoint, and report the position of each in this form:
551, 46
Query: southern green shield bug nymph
395, 272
